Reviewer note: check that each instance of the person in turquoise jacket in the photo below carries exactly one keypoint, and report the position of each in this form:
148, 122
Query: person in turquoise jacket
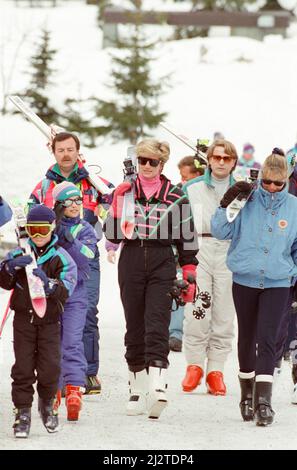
263, 259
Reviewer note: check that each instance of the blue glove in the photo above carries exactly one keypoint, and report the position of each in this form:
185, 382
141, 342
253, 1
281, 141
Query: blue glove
65, 237
19, 262
48, 284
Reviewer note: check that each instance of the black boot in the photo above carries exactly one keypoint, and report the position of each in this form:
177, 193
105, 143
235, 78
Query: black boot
22, 422
263, 412
294, 374
48, 414
246, 403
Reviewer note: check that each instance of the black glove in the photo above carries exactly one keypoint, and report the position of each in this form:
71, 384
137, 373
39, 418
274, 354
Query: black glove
241, 187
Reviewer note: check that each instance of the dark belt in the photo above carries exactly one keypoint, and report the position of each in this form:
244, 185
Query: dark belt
206, 235
143, 243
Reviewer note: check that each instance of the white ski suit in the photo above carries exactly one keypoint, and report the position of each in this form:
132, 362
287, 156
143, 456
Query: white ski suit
210, 337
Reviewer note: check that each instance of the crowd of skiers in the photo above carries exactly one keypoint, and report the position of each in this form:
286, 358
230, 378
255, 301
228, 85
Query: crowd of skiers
248, 267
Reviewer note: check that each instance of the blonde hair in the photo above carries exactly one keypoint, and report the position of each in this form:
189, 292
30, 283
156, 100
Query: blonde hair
153, 146
275, 163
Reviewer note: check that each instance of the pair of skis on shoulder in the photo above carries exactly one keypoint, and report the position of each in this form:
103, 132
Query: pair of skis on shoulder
240, 201
35, 285
234, 208
49, 132
128, 212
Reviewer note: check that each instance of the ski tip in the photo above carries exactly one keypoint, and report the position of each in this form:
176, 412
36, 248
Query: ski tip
39, 305
127, 229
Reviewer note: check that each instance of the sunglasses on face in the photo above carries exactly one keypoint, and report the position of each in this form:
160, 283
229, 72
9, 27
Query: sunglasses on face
69, 202
279, 184
218, 158
39, 230
143, 161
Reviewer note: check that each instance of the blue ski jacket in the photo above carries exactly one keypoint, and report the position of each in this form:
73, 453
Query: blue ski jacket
5, 212
84, 244
263, 249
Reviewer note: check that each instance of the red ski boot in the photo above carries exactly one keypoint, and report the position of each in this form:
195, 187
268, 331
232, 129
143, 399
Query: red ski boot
73, 401
215, 383
193, 378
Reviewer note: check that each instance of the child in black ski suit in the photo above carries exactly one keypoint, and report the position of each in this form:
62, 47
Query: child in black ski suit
37, 340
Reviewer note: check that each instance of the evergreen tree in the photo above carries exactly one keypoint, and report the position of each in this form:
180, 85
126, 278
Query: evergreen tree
40, 83
135, 108
74, 120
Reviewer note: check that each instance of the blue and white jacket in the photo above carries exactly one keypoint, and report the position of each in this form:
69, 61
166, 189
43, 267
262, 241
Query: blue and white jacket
263, 250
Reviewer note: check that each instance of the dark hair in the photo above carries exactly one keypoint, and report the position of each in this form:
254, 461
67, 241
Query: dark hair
64, 136
190, 162
278, 151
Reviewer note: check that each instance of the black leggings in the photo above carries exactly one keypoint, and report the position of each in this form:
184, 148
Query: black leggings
259, 314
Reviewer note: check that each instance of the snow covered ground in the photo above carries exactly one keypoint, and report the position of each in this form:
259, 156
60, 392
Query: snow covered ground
244, 88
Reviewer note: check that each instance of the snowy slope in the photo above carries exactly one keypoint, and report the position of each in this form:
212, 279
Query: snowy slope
241, 87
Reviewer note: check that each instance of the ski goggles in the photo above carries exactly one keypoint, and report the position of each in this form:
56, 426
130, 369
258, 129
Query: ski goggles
39, 229
279, 184
143, 161
68, 202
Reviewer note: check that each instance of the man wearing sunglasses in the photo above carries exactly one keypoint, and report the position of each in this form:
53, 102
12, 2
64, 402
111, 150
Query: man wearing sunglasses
79, 239
65, 147
208, 341
37, 340
5, 212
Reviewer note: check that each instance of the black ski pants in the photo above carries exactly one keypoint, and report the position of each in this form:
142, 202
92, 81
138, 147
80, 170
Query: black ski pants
259, 315
283, 330
37, 356
146, 275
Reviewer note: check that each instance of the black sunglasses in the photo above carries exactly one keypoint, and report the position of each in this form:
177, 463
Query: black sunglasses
143, 161
279, 184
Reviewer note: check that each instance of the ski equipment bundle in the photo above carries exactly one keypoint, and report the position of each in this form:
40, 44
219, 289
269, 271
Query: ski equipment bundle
240, 201
199, 148
50, 132
35, 284
128, 212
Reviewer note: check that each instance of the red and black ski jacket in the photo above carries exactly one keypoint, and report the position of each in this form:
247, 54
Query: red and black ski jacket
165, 219
57, 265
93, 200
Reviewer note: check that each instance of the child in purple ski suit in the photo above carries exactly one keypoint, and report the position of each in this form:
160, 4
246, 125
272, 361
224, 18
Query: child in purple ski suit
79, 239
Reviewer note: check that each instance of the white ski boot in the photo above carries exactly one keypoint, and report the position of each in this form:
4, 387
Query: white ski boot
157, 400
138, 388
